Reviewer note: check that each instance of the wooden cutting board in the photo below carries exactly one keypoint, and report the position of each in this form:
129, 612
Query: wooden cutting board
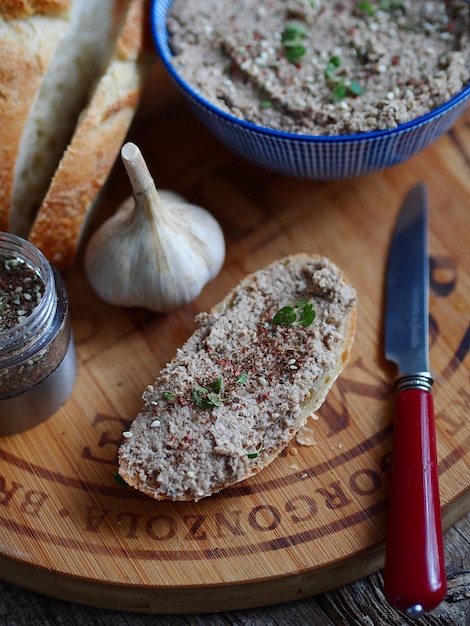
315, 519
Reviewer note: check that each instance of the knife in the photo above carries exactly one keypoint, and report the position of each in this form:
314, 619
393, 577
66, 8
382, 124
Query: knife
414, 576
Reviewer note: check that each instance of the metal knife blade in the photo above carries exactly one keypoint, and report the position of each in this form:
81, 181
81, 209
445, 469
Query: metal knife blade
406, 321
414, 576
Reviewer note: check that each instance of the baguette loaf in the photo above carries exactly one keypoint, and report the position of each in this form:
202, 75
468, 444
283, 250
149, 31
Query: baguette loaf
28, 43
95, 145
64, 90
243, 384
70, 80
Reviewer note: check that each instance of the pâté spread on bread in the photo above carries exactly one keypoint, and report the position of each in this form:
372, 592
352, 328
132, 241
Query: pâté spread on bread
243, 384
323, 67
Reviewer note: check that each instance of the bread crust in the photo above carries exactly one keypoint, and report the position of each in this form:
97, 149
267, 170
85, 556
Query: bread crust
14, 9
26, 49
98, 137
154, 460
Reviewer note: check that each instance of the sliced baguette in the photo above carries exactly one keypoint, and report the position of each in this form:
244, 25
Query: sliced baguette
10, 9
241, 387
28, 42
65, 88
96, 142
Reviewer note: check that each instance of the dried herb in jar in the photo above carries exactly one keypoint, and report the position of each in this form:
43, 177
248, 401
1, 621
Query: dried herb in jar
21, 289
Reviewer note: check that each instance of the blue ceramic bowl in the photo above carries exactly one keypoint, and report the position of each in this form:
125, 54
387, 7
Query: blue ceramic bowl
311, 156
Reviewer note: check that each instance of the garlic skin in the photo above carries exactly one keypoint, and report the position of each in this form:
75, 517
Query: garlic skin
157, 251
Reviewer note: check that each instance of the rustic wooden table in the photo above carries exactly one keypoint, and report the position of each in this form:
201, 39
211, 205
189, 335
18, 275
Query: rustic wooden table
66, 531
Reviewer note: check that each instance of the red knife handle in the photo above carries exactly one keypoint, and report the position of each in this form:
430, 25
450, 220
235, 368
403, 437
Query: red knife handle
414, 577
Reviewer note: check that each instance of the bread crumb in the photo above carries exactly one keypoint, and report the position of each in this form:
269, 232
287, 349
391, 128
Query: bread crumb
306, 437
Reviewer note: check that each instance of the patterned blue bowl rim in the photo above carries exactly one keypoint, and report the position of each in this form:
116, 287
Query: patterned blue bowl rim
159, 12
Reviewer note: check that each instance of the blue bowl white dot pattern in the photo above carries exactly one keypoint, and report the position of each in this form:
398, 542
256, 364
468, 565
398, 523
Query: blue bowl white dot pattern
310, 156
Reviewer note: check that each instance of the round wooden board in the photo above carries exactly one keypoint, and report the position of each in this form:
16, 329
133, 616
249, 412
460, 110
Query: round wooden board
313, 520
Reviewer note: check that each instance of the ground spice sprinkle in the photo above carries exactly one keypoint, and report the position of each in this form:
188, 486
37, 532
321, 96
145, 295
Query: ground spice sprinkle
21, 289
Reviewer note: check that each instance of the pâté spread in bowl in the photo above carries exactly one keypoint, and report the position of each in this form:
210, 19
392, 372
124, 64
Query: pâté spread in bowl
320, 67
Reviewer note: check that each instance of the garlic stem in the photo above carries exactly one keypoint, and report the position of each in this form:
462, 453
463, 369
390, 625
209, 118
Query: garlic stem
136, 168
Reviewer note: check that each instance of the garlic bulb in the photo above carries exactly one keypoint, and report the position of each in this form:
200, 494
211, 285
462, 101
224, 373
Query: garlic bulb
157, 251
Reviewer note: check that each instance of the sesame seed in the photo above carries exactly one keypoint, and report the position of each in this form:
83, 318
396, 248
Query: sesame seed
127, 434
155, 423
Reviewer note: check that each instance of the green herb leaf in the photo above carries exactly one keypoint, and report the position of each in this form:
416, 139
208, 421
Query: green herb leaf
199, 395
367, 7
331, 67
339, 92
217, 385
386, 5
295, 53
293, 33
355, 89
213, 400
169, 396
303, 314
291, 37
306, 314
254, 455
241, 380
285, 316
208, 398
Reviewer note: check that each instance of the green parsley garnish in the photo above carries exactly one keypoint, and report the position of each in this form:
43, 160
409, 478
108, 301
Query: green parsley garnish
340, 88
169, 396
384, 5
302, 314
367, 7
339, 92
292, 37
204, 398
354, 88
242, 379
217, 385
343, 89
254, 455
332, 66
208, 398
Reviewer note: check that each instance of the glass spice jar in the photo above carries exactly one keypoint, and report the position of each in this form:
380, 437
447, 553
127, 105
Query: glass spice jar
37, 354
